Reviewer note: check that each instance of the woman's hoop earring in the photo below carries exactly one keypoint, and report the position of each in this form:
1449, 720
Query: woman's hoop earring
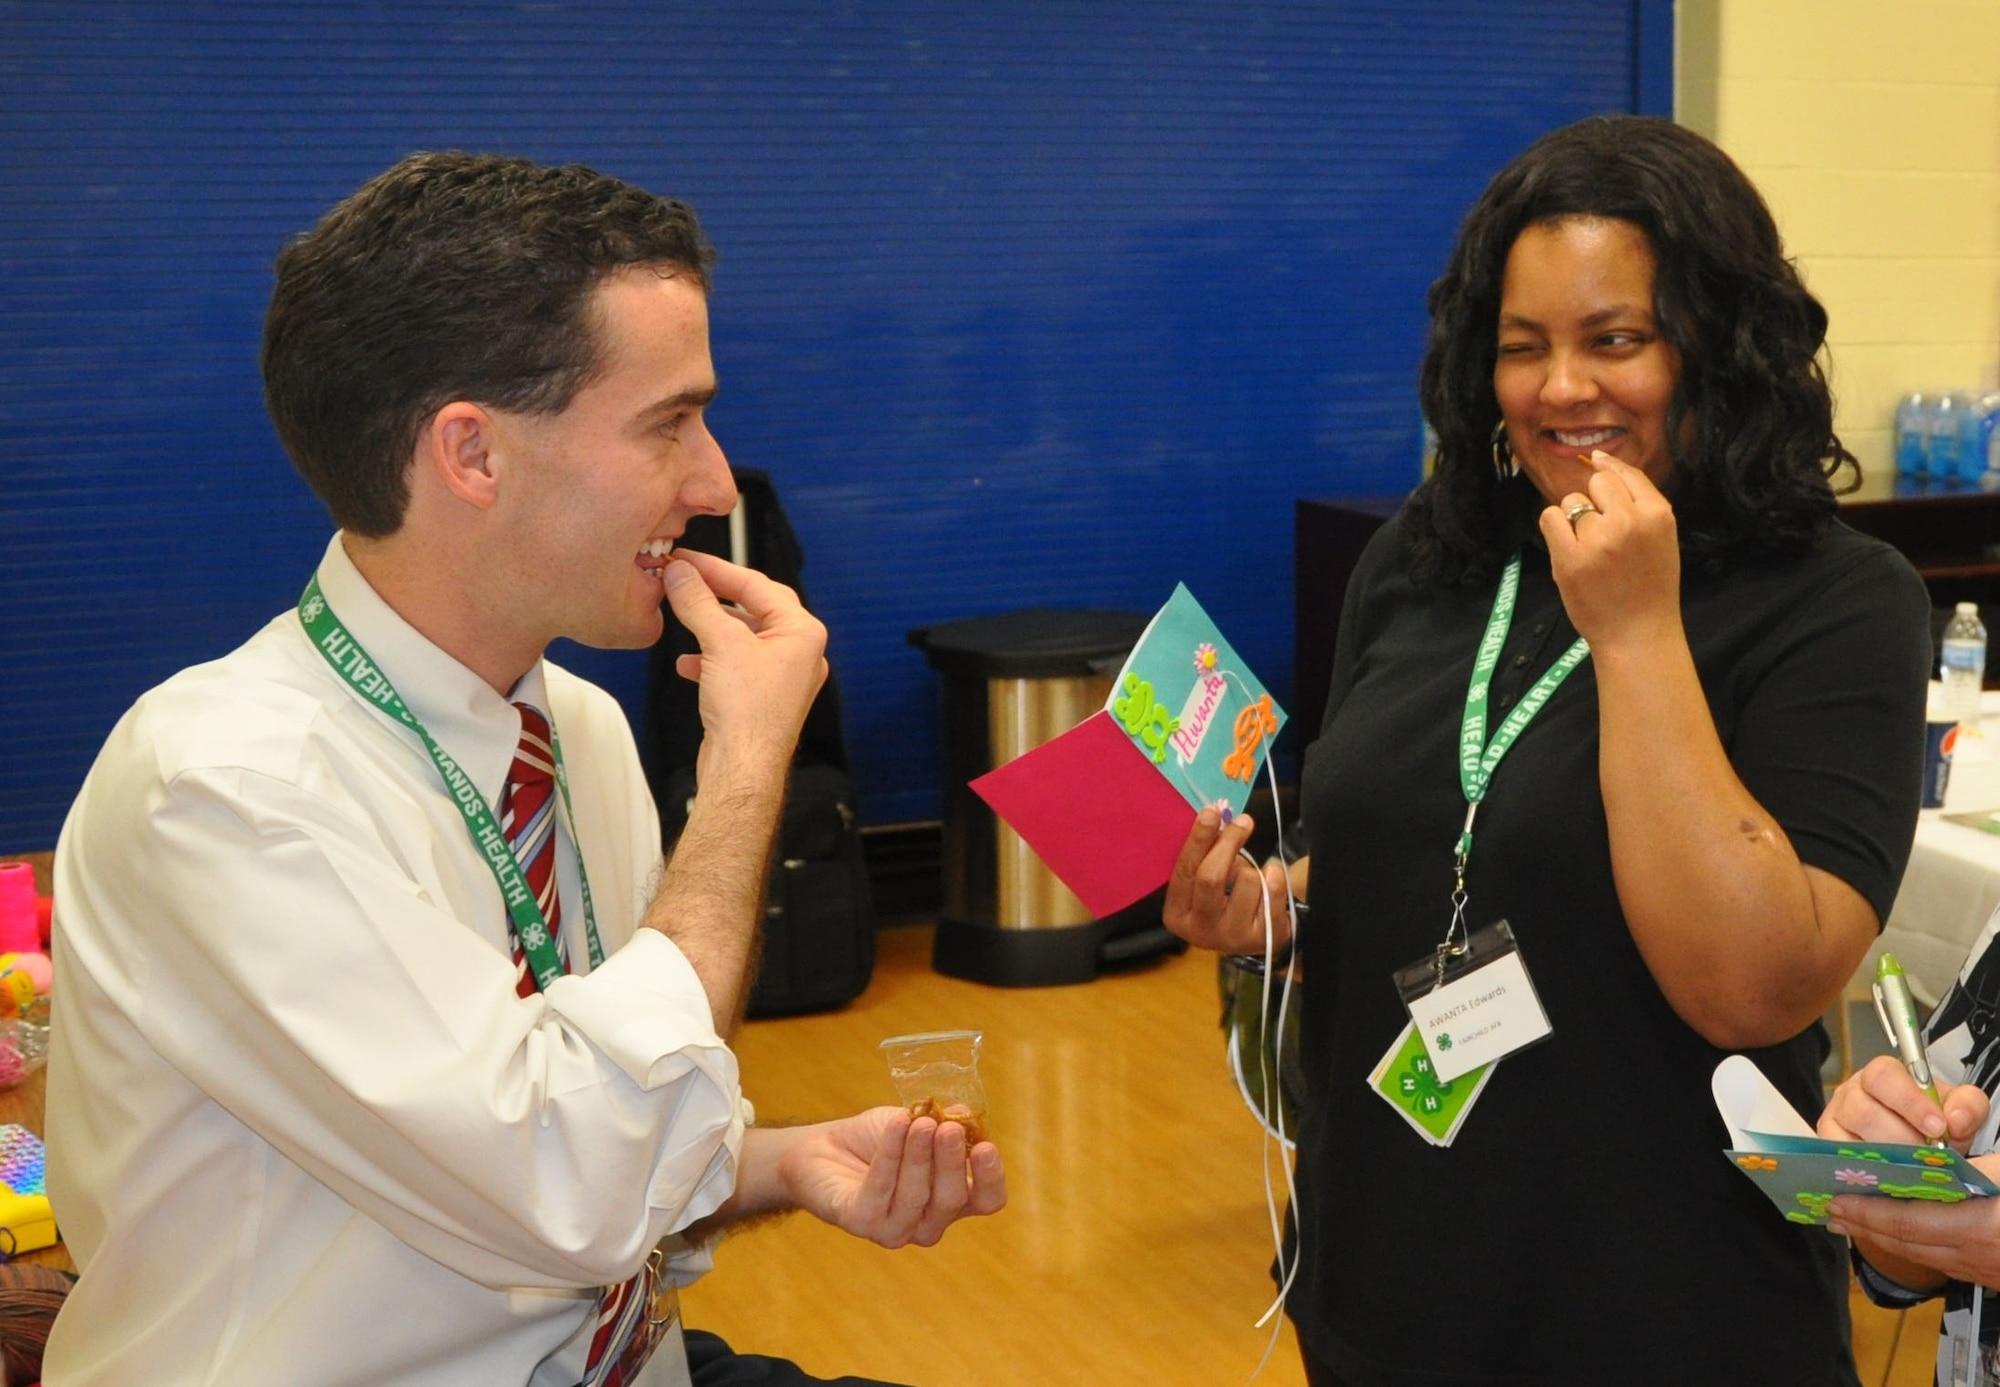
1503, 453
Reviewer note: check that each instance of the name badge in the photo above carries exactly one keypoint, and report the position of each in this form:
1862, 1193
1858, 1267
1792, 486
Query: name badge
1474, 1006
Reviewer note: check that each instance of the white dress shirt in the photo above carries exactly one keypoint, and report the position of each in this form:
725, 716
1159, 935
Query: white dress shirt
301, 1130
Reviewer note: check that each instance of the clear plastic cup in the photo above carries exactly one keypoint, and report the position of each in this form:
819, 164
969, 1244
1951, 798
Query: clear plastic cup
937, 1075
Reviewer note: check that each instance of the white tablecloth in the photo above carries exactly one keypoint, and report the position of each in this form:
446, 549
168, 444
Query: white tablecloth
1953, 881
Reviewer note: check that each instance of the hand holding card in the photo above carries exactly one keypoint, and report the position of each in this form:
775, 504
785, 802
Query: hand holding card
1801, 1172
1107, 805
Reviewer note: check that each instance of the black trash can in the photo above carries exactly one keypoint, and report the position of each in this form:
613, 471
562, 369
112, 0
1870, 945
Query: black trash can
1012, 682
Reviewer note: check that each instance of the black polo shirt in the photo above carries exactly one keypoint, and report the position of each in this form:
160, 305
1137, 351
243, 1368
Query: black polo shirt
1584, 1226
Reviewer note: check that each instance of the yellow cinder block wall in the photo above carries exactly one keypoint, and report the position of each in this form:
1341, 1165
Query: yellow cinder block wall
1873, 129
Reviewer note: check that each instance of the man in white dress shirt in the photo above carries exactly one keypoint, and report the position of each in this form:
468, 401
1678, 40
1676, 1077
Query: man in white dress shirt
336, 1093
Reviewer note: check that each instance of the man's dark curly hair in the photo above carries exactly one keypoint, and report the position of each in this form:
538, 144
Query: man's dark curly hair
450, 277
1750, 425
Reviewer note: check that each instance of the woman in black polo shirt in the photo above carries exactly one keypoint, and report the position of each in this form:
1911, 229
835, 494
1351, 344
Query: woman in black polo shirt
1618, 676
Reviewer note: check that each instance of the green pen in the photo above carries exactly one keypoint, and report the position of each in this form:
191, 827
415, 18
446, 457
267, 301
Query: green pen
1898, 1011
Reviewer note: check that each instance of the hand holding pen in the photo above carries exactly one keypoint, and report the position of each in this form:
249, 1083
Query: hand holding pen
1913, 1242
1895, 1098
1882, 1102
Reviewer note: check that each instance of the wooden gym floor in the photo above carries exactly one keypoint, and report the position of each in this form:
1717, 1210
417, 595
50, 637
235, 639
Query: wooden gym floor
1135, 1246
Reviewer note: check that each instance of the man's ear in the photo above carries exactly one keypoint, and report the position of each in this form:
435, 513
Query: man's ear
457, 448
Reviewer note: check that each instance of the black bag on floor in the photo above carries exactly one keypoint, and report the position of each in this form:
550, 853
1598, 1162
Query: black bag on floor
819, 914
819, 920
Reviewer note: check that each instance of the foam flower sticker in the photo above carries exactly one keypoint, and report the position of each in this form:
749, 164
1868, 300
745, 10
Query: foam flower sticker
1757, 1162
1861, 1178
1204, 658
1936, 1194
1421, 1088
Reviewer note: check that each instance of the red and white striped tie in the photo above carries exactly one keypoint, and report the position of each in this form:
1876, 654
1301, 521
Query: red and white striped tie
627, 1328
528, 818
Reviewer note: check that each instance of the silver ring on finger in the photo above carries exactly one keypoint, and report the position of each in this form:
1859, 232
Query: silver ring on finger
1578, 511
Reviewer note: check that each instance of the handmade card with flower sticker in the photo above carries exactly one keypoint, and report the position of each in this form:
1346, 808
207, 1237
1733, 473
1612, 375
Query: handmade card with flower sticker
1107, 804
1801, 1172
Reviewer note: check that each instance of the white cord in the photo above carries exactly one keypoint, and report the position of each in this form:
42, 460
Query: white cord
1978, 1352
1270, 1066
1249, 1098
1270, 1061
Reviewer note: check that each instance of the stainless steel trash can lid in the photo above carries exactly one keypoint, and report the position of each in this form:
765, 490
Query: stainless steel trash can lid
1035, 643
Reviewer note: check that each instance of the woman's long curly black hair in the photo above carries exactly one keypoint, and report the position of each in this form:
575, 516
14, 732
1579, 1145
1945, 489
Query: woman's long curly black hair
1750, 425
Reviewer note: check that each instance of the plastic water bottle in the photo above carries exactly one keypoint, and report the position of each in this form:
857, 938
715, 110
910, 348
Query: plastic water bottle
1964, 663
1913, 436
1979, 439
1947, 412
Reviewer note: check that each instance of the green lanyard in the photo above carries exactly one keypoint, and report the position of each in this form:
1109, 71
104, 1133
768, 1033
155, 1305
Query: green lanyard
1477, 756
531, 927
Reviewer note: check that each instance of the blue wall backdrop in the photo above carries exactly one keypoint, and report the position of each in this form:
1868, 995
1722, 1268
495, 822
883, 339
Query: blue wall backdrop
1021, 305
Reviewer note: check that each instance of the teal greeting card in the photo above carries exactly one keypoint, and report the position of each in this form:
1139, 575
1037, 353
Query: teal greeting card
1801, 1172
1187, 700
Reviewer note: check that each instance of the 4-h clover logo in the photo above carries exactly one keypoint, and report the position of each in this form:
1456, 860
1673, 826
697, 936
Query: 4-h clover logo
1422, 1088
314, 606
533, 937
1443, 1041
